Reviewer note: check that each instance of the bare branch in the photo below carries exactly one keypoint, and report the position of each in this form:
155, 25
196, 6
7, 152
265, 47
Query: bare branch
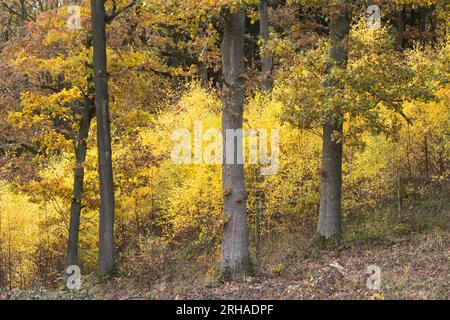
109, 18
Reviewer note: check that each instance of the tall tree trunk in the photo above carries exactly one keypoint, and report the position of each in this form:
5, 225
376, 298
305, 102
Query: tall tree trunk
78, 180
266, 61
235, 255
106, 227
266, 85
329, 224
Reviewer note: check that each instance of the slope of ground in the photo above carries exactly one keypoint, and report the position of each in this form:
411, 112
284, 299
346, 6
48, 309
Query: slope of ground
412, 267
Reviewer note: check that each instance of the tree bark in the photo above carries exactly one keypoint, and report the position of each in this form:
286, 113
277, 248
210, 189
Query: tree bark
78, 180
266, 61
423, 19
203, 75
330, 225
401, 29
235, 255
427, 157
106, 227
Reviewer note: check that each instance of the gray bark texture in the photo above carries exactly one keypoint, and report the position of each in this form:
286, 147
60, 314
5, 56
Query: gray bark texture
266, 61
78, 181
235, 255
106, 227
330, 219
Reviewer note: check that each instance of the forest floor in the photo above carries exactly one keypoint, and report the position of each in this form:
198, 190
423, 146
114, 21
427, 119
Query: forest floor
414, 266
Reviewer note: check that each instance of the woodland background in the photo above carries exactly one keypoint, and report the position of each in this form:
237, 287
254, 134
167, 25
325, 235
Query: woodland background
165, 72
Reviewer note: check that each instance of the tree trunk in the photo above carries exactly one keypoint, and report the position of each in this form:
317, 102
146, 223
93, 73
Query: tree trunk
235, 255
423, 19
329, 225
203, 75
399, 197
401, 29
78, 180
258, 211
106, 227
266, 61
266, 85
10, 266
427, 157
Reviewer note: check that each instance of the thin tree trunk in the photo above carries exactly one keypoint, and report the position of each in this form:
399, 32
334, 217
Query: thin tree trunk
266, 61
399, 197
78, 180
427, 157
441, 160
106, 227
433, 19
330, 224
10, 268
259, 211
266, 85
423, 19
408, 153
413, 18
401, 29
203, 75
235, 255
